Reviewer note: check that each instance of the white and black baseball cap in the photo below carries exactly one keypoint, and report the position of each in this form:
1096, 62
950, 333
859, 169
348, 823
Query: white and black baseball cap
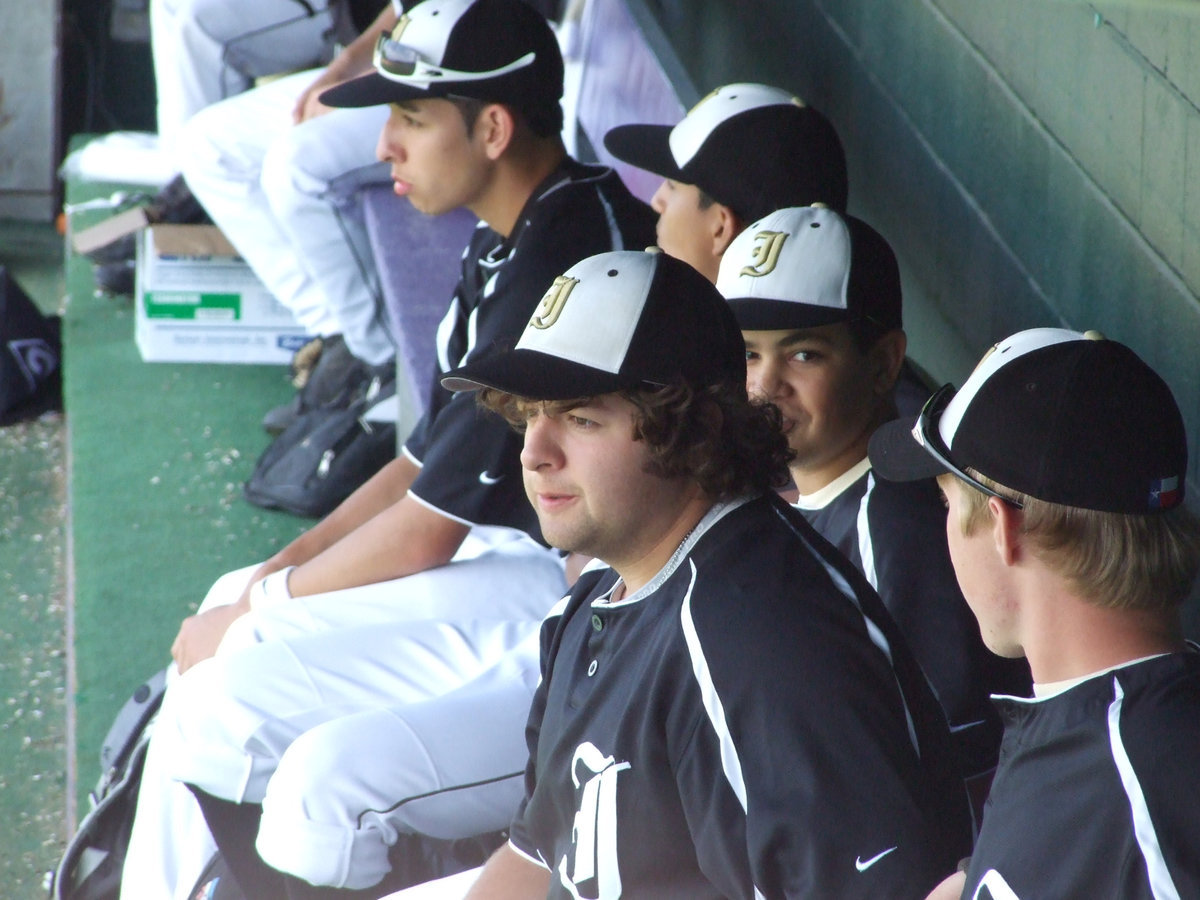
751, 147
616, 321
497, 51
1065, 417
804, 267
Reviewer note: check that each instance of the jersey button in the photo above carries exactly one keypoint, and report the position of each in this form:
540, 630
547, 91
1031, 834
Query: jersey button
592, 668
597, 623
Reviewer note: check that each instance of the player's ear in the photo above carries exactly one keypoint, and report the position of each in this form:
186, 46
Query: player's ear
1007, 521
495, 128
724, 226
886, 357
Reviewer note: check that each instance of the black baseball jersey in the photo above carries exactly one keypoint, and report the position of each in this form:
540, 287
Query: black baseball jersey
1096, 791
469, 458
748, 724
895, 533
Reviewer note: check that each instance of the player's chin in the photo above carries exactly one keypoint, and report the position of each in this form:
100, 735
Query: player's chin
557, 535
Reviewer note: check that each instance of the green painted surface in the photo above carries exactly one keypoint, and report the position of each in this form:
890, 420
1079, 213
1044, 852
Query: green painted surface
158, 455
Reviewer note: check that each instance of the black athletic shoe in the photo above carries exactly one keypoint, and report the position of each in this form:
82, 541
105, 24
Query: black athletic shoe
333, 382
114, 277
175, 204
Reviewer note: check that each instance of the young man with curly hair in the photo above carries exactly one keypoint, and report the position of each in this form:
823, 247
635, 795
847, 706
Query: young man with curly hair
418, 586
725, 708
1063, 459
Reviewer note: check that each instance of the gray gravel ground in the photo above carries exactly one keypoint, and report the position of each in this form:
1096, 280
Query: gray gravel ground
33, 680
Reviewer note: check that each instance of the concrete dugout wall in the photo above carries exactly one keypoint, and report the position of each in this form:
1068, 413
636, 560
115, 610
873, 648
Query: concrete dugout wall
1034, 162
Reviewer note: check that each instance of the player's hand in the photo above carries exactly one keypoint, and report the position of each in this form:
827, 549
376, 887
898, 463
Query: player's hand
199, 635
307, 105
951, 888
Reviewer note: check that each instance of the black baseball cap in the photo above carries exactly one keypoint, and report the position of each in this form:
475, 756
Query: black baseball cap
1061, 416
803, 267
751, 147
497, 51
616, 321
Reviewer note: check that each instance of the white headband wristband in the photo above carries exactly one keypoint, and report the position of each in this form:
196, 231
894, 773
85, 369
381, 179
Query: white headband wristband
271, 591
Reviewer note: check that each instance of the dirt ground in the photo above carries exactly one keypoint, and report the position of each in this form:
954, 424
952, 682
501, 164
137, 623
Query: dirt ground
33, 661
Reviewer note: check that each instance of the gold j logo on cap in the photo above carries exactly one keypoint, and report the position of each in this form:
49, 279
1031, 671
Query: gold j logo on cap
553, 302
767, 245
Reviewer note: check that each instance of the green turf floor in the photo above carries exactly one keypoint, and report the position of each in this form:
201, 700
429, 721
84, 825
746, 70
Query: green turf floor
158, 453
114, 519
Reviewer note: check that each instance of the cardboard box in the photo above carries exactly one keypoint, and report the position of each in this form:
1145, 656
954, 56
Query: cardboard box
112, 228
196, 301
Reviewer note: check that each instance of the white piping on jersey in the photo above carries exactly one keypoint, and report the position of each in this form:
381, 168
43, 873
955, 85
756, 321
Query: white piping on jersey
1162, 886
1044, 690
473, 326
996, 886
878, 638
556, 611
441, 512
866, 546
536, 860
412, 459
731, 763
557, 608
445, 332
1048, 690
715, 514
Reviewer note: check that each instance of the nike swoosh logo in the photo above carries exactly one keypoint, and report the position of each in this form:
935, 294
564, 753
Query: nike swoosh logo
863, 864
485, 478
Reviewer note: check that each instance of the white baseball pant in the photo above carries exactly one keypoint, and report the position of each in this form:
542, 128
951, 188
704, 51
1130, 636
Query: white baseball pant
388, 651
284, 195
207, 50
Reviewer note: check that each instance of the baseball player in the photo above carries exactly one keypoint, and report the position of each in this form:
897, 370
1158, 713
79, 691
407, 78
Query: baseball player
727, 711
208, 50
425, 578
817, 295
1063, 459
276, 169
742, 152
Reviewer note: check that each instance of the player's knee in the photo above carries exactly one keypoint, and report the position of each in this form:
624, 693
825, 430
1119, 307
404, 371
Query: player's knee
288, 179
309, 827
198, 155
198, 730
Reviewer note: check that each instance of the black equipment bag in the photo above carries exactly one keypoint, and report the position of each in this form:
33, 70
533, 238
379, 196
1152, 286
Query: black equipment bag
90, 868
30, 355
325, 455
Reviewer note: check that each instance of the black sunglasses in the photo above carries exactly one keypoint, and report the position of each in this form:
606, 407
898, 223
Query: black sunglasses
927, 435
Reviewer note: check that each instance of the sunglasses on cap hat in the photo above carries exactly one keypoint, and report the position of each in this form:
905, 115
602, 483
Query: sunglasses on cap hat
926, 433
403, 63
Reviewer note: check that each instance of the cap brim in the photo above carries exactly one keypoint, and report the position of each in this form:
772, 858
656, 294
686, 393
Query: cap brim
758, 314
645, 146
372, 89
534, 375
896, 455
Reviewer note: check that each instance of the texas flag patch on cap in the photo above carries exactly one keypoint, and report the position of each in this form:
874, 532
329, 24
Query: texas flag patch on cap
1164, 493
